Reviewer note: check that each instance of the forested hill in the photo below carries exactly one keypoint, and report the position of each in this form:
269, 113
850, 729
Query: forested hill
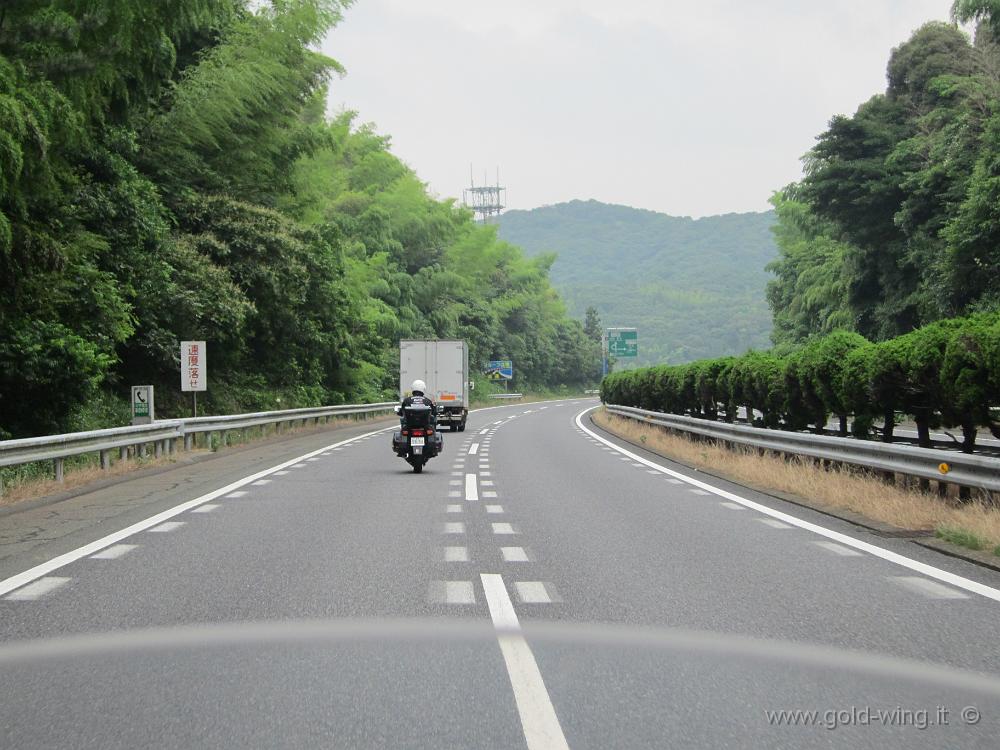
693, 287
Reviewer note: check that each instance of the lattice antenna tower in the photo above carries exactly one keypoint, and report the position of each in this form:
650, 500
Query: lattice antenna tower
485, 200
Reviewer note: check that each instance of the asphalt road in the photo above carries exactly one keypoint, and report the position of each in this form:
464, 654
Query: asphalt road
540, 585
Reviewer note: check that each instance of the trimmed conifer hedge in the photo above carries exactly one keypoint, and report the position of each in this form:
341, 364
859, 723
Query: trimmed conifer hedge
946, 374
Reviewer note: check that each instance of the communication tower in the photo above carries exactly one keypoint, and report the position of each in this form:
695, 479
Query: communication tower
485, 200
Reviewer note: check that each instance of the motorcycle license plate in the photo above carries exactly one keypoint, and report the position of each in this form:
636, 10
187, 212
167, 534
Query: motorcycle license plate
417, 442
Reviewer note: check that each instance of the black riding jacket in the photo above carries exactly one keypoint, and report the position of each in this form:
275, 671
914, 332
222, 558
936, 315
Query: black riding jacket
419, 398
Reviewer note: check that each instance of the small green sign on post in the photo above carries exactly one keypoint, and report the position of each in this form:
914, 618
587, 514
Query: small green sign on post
623, 342
142, 404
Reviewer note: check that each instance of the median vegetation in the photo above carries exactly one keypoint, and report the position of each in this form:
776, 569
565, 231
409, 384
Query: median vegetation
946, 374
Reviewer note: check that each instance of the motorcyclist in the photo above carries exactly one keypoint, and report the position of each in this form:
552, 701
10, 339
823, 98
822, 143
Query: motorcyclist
417, 397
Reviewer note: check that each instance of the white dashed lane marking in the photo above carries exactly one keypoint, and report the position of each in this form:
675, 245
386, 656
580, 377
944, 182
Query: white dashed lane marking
532, 592
503, 529
473, 449
774, 523
456, 554
698, 492
454, 527
471, 490
732, 506
514, 554
489, 493
113, 553
238, 493
165, 527
206, 508
453, 508
534, 706
262, 482
839, 549
928, 588
457, 592
37, 589
494, 509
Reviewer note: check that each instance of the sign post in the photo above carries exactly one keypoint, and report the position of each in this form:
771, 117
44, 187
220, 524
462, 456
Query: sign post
194, 371
623, 342
500, 370
142, 404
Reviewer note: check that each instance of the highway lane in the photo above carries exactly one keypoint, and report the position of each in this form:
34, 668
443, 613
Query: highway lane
528, 518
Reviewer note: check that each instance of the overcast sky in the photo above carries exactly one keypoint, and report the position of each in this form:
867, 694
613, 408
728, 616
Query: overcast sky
689, 108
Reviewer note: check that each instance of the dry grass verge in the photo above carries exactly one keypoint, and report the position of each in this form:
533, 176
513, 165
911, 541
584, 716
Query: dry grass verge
30, 485
853, 490
35, 487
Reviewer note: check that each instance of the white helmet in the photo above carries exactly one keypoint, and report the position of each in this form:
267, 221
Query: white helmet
418, 385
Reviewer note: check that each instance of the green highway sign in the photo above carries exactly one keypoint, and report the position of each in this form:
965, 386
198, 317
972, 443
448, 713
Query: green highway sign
623, 342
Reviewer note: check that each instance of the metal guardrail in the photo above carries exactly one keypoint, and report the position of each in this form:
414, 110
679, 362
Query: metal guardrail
162, 435
926, 463
506, 395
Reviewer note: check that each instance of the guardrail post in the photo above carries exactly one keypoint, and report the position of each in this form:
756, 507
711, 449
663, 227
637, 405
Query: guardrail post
123, 453
105, 461
222, 438
188, 440
58, 466
157, 449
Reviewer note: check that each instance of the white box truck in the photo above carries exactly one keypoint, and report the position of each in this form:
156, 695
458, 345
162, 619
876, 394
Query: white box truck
444, 366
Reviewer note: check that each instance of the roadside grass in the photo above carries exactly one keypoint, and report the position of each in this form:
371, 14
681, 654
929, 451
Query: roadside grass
975, 522
38, 481
35, 480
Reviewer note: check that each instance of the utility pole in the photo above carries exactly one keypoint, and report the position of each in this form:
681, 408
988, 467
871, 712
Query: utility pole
604, 353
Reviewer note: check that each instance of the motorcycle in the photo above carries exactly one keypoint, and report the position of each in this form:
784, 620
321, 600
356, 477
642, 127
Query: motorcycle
417, 440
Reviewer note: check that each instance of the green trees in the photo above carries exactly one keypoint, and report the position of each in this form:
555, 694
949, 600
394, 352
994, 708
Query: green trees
894, 224
946, 373
167, 172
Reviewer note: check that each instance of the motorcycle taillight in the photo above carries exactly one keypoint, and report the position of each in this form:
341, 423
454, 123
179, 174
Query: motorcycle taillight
430, 432
418, 433
406, 433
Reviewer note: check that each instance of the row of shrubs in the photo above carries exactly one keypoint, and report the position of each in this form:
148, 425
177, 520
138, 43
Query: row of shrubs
946, 374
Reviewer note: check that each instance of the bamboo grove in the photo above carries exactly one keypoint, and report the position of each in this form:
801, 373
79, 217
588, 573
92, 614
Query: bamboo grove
168, 171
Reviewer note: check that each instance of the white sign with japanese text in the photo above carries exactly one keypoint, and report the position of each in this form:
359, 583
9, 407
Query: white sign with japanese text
194, 366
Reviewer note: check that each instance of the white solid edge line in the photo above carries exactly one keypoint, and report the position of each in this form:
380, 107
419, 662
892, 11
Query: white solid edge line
31, 574
538, 716
928, 570
471, 490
